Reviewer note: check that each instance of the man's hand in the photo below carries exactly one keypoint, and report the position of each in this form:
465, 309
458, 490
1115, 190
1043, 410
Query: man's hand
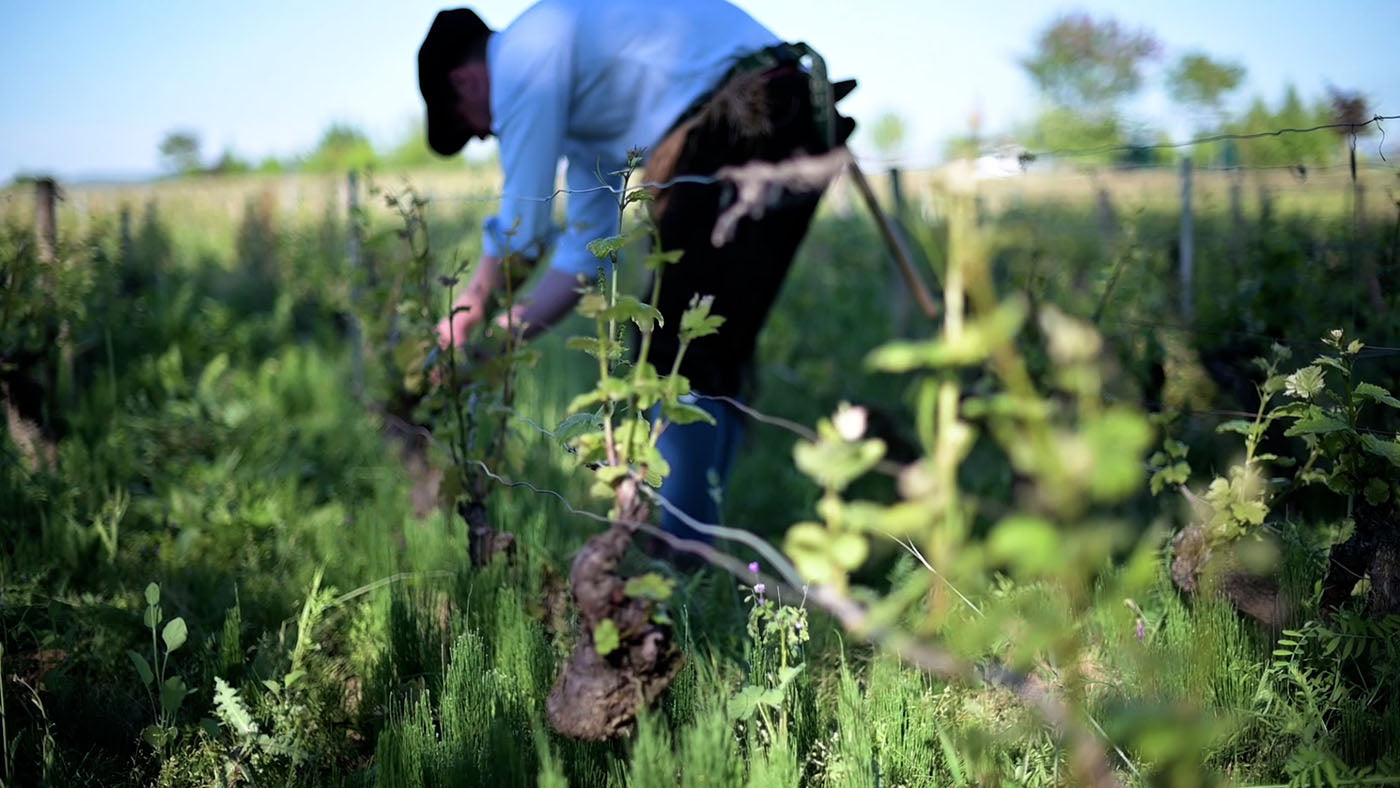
467, 313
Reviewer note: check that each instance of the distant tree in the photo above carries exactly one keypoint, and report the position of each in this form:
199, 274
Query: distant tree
342, 147
271, 165
179, 152
1088, 65
230, 163
969, 145
888, 134
1289, 149
412, 151
1199, 82
1084, 69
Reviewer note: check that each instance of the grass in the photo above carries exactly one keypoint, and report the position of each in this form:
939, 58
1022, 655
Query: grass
261, 495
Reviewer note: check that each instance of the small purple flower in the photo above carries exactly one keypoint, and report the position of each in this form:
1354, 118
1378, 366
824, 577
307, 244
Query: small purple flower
759, 588
753, 567
1141, 630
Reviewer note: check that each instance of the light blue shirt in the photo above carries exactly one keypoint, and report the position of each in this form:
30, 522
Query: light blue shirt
586, 80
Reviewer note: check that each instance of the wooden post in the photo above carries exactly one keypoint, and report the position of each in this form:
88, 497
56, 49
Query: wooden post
1367, 261
897, 194
353, 250
124, 223
899, 290
45, 224
58, 373
901, 254
1187, 247
1108, 218
1237, 201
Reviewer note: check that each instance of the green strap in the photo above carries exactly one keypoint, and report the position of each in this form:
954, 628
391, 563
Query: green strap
823, 96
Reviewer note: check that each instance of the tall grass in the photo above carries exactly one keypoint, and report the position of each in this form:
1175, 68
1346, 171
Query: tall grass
212, 395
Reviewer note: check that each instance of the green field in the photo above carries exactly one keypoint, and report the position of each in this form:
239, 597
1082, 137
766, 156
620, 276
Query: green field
211, 431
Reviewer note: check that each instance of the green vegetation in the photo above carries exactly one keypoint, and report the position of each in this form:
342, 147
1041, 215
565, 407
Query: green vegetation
208, 460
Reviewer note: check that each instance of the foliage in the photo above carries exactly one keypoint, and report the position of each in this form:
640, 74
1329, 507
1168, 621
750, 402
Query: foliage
342, 147
1084, 63
216, 445
179, 152
1199, 81
1285, 149
888, 134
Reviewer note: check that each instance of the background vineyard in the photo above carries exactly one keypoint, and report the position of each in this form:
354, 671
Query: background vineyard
211, 432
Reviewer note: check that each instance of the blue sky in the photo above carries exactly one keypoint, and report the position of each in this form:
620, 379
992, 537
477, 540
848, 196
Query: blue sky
90, 88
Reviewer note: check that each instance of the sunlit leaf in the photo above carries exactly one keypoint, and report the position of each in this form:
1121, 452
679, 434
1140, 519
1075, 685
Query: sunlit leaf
1318, 423
650, 586
1031, 544
606, 638
174, 634
685, 413
1375, 393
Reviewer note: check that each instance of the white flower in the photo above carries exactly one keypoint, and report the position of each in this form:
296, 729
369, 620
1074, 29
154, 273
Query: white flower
850, 421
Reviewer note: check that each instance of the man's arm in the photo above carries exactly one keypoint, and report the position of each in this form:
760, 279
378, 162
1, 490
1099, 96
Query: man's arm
546, 304
550, 300
470, 307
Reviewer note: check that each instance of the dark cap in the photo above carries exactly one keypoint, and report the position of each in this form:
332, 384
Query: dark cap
456, 33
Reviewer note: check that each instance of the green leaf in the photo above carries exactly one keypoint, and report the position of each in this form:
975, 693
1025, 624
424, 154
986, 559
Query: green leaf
1375, 393
152, 595
157, 736
1330, 361
1318, 423
806, 544
1236, 425
606, 479
848, 551
979, 339
231, 710
590, 305
210, 726
1390, 450
151, 618
1118, 437
1030, 544
655, 260
594, 347
745, 703
143, 668
650, 586
576, 425
836, 463
614, 389
174, 634
1376, 491
172, 694
607, 247
631, 308
696, 320
685, 413
606, 638
1252, 512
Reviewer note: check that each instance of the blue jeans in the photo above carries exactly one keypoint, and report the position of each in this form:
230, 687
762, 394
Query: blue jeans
698, 453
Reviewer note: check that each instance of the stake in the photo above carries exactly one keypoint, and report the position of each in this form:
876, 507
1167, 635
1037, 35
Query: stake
896, 244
